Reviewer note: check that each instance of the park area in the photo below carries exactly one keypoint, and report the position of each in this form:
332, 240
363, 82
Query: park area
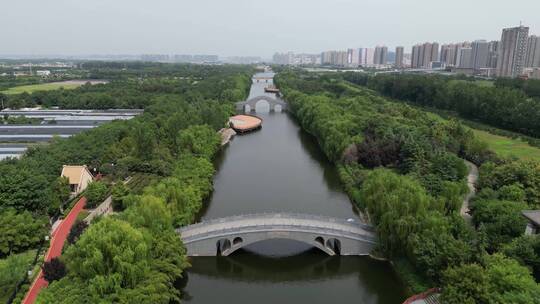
66, 85
508, 147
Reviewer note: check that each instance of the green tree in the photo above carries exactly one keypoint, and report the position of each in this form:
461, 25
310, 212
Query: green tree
119, 191
501, 220
395, 203
199, 140
95, 193
20, 231
465, 284
526, 250
510, 282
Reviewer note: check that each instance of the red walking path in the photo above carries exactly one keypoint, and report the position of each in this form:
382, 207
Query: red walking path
59, 236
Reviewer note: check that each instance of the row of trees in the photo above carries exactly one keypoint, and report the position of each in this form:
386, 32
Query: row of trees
503, 106
402, 166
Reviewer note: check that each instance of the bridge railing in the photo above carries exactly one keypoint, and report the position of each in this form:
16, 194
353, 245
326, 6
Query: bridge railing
258, 228
354, 224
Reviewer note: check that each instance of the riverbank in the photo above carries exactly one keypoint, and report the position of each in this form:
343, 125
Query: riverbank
226, 135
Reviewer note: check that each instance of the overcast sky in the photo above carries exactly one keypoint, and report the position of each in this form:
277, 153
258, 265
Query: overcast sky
248, 27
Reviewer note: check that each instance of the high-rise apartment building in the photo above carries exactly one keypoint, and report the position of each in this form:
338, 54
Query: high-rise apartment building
328, 57
381, 55
342, 58
355, 60
464, 58
415, 56
424, 54
480, 54
512, 51
399, 56
448, 54
532, 59
367, 56
493, 48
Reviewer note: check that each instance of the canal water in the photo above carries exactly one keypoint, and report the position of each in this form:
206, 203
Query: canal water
280, 168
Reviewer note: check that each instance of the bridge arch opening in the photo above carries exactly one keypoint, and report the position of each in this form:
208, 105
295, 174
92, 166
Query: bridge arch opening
222, 246
247, 108
334, 245
237, 240
320, 240
278, 108
262, 106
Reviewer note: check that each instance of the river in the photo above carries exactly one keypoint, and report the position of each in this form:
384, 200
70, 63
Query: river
280, 168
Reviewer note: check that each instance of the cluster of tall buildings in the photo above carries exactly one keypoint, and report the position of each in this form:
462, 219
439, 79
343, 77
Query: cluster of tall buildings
424, 55
516, 54
377, 56
291, 58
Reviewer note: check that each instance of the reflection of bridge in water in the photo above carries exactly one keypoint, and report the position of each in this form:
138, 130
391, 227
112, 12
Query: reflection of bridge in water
275, 104
224, 236
306, 266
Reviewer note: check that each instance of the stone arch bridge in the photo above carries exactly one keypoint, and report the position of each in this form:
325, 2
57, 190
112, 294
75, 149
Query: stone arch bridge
252, 103
224, 236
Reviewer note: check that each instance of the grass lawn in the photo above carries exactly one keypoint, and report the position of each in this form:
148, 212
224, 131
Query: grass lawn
12, 270
42, 87
506, 146
480, 83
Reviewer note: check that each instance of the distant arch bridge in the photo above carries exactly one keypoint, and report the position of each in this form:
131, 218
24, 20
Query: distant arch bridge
224, 236
250, 104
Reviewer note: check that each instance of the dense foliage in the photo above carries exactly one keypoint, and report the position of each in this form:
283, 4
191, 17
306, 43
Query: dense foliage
12, 270
95, 193
403, 168
135, 256
20, 231
504, 105
500, 280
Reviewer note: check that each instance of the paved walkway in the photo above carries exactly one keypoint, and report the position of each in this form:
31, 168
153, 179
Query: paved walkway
57, 243
472, 178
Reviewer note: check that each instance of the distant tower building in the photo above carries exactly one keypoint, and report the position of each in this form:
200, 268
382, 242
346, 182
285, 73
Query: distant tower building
367, 56
399, 57
446, 54
341, 59
424, 54
512, 51
533, 52
355, 57
350, 56
434, 53
464, 58
493, 53
415, 56
381, 55
480, 54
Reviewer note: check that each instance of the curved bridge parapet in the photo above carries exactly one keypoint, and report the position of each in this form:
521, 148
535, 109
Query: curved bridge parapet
223, 236
250, 104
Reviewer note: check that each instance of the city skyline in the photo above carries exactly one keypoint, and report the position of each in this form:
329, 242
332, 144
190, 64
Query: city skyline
245, 28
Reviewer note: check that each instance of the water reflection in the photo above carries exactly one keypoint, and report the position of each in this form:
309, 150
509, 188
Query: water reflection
309, 277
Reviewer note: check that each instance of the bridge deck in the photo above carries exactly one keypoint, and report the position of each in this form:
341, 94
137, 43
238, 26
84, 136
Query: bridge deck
278, 222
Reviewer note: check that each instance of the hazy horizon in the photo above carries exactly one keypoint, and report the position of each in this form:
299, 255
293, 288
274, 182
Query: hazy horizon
248, 28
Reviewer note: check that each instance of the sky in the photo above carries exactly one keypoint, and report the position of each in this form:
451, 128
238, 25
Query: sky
249, 27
